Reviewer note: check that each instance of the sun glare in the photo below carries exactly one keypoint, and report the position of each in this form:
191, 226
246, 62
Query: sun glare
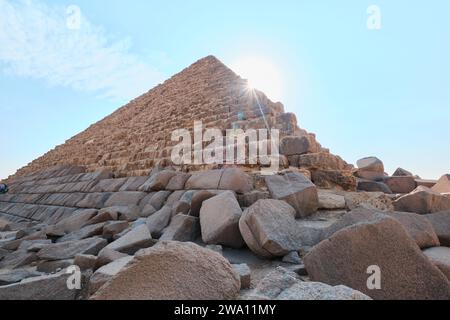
261, 75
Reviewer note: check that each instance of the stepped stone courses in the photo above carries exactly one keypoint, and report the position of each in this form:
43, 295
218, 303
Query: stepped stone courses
110, 201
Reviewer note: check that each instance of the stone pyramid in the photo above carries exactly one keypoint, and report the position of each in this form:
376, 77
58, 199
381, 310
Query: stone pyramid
137, 137
110, 202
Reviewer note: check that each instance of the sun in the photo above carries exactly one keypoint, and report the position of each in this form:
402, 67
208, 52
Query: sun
261, 74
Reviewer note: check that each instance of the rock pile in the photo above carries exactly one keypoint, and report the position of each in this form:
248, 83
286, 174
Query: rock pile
107, 212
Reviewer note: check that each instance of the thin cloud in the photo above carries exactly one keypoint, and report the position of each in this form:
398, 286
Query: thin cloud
36, 42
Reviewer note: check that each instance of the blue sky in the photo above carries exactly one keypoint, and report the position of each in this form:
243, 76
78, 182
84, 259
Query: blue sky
363, 92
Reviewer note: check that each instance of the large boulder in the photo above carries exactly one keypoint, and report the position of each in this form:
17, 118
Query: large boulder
173, 271
440, 256
401, 184
158, 181
322, 161
158, 221
133, 240
441, 225
400, 172
418, 227
182, 228
378, 200
406, 273
270, 230
236, 180
69, 249
219, 220
124, 198
204, 180
296, 145
295, 189
370, 164
422, 200
443, 184
282, 284
334, 179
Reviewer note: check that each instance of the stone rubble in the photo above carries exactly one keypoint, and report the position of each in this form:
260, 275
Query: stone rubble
110, 201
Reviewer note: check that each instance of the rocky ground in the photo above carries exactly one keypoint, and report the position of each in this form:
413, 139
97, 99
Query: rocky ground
319, 229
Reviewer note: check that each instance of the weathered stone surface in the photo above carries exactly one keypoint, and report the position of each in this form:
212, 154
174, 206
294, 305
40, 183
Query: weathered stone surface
158, 221
158, 199
370, 175
440, 257
125, 213
219, 221
443, 184
150, 275
331, 201
426, 183
114, 227
322, 161
197, 201
133, 184
292, 257
334, 179
204, 180
400, 172
125, 198
133, 240
378, 200
94, 200
106, 272
282, 284
17, 259
244, 273
178, 181
8, 277
108, 185
106, 256
295, 189
373, 186
370, 164
441, 225
401, 184
85, 232
236, 180
104, 215
422, 200
418, 227
48, 287
181, 207
182, 228
54, 266
77, 220
294, 145
247, 199
4, 225
269, 228
85, 261
68, 250
406, 272
158, 181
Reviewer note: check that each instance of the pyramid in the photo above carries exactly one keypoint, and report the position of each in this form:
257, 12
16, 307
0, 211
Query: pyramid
111, 201
137, 137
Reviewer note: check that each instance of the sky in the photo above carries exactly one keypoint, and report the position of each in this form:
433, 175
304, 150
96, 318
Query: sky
365, 88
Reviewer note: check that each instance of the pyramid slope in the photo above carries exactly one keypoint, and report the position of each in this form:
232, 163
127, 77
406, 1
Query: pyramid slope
136, 137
